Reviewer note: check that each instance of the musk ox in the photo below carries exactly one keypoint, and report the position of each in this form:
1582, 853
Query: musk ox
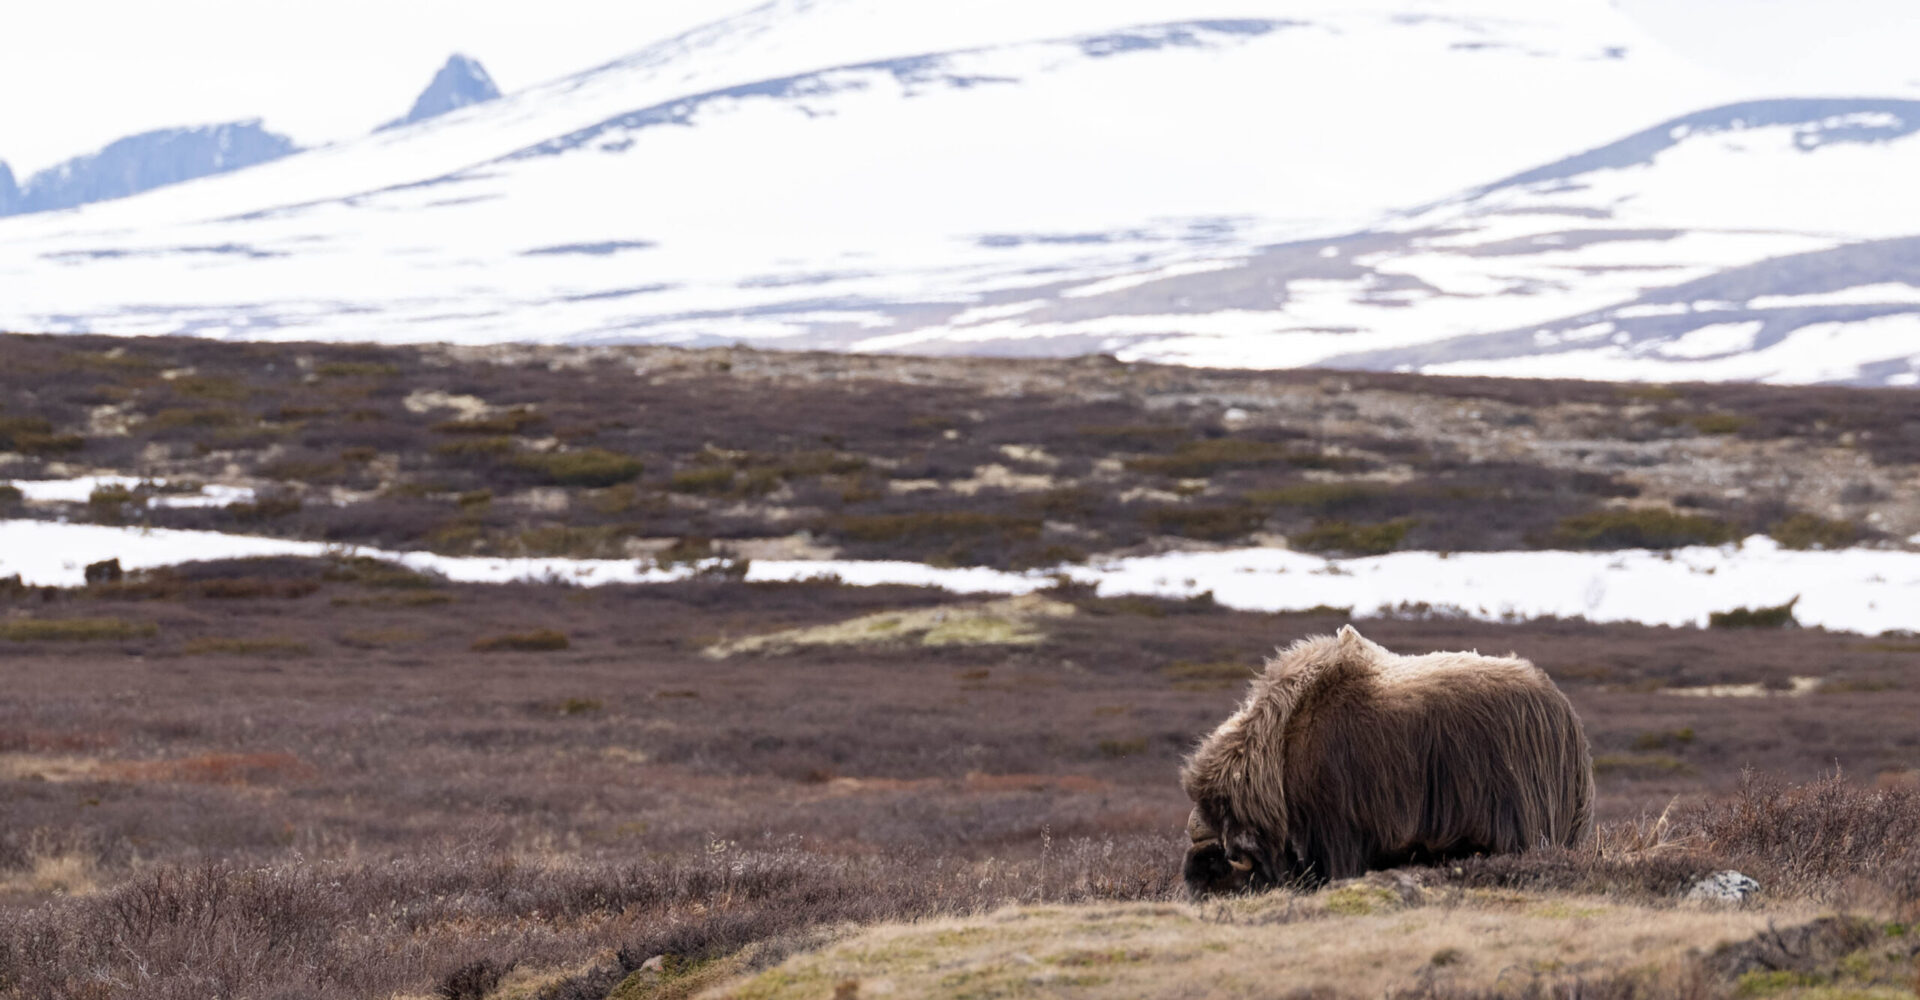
1346, 757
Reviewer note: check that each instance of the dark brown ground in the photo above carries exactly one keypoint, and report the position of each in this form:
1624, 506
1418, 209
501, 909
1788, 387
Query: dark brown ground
355, 719
629, 451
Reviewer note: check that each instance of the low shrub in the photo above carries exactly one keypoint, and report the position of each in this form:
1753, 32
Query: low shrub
1354, 539
707, 479
267, 506
370, 572
1641, 528
108, 498
218, 387
1778, 616
544, 640
1216, 523
189, 418
589, 467
1719, 423
1639, 765
1198, 459
1809, 531
10, 496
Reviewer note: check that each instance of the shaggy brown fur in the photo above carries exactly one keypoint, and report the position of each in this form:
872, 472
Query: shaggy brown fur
1346, 757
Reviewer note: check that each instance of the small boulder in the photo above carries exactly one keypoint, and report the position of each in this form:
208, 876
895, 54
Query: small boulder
1724, 887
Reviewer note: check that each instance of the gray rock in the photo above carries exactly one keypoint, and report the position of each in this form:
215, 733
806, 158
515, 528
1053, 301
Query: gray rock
1723, 887
462, 81
142, 162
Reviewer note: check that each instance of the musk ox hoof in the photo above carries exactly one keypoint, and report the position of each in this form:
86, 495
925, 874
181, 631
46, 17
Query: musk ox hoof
1724, 887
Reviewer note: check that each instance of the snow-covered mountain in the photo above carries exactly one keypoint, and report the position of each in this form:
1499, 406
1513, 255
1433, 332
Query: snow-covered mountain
1220, 181
462, 81
141, 163
1766, 240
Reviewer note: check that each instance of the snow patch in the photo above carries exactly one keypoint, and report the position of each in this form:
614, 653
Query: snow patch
1859, 590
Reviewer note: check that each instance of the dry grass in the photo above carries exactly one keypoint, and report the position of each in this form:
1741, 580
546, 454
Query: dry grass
1014, 621
1359, 940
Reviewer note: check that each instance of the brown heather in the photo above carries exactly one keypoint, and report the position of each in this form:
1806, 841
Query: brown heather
182, 817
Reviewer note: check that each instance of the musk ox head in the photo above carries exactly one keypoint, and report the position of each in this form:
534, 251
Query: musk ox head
1213, 867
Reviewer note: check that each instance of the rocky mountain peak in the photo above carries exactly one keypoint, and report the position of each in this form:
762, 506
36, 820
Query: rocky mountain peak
462, 81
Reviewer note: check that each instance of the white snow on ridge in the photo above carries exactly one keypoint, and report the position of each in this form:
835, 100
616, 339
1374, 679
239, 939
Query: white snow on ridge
1868, 591
811, 158
1821, 352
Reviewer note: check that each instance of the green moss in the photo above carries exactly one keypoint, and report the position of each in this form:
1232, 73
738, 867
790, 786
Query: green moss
369, 572
1719, 423
709, 479
1315, 496
1226, 671
1217, 523
217, 387
588, 467
1640, 765
544, 640
1641, 528
1807, 531
1196, 459
1779, 616
36, 436
1360, 900
1660, 739
1356, 539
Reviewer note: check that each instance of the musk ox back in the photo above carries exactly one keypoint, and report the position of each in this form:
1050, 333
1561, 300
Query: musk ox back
1346, 757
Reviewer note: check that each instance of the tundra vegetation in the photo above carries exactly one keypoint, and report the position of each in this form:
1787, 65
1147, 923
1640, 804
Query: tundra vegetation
992, 813
636, 451
341, 778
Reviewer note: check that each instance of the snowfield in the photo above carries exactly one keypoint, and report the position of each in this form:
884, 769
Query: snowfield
1856, 590
1241, 183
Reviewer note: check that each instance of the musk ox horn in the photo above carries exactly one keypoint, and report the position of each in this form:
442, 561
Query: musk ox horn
1198, 830
1240, 864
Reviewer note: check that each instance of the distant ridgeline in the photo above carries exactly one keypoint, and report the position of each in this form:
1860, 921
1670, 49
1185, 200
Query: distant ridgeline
462, 81
168, 156
141, 162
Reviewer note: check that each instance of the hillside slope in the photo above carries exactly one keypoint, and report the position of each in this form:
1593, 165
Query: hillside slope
822, 171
